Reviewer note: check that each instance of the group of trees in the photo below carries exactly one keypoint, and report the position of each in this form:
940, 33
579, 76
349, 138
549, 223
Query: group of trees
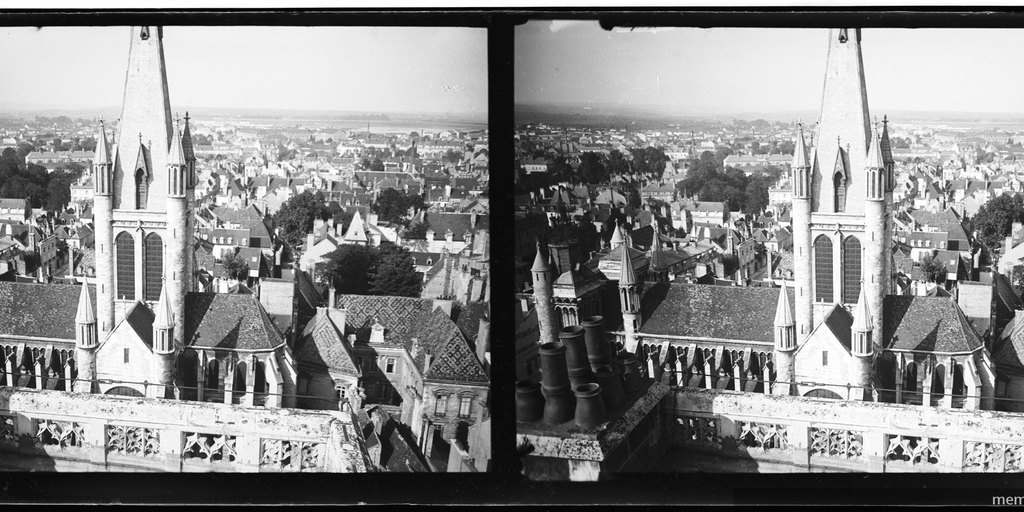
994, 221
367, 270
353, 269
296, 216
394, 206
49, 190
711, 182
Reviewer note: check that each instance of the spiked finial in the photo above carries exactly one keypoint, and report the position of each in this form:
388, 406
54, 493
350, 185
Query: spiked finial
540, 263
163, 317
800, 152
627, 275
783, 311
862, 321
86, 312
102, 150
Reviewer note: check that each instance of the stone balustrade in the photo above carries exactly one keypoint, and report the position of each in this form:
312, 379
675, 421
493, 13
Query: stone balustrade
64, 431
807, 434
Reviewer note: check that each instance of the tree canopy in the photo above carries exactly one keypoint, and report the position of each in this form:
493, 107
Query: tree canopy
994, 221
366, 270
711, 181
393, 206
236, 267
295, 217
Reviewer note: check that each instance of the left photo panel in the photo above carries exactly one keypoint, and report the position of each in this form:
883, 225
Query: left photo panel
244, 249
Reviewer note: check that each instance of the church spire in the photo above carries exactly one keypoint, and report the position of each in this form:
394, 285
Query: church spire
783, 311
145, 115
800, 153
627, 275
176, 156
862, 321
163, 316
844, 117
86, 313
102, 146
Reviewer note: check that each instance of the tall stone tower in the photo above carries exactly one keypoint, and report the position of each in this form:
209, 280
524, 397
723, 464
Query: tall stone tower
842, 226
145, 187
629, 299
543, 296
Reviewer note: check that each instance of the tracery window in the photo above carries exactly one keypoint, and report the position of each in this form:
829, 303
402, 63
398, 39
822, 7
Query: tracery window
154, 257
124, 245
823, 269
851, 270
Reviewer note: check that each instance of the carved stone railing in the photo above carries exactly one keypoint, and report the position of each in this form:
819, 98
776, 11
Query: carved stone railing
55, 430
809, 434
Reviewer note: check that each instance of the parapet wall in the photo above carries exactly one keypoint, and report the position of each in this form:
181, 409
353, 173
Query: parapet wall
58, 430
821, 434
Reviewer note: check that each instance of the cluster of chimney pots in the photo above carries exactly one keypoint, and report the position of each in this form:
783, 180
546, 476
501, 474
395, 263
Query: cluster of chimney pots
580, 378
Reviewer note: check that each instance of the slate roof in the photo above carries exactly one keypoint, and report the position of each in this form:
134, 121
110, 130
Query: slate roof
468, 316
946, 221
1009, 350
39, 310
927, 324
710, 311
404, 318
839, 322
140, 319
229, 321
323, 345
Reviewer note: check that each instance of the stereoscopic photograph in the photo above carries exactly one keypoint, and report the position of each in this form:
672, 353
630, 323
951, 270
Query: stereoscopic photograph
767, 250
244, 249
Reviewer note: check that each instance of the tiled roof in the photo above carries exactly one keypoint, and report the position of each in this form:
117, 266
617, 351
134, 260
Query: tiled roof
323, 345
839, 322
946, 221
404, 318
140, 319
229, 321
709, 311
927, 324
39, 310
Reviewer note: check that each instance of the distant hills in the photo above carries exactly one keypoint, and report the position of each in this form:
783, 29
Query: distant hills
631, 115
267, 114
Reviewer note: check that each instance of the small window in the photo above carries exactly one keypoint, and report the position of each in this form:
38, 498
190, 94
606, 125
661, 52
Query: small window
465, 403
126, 358
390, 365
441, 405
343, 392
824, 358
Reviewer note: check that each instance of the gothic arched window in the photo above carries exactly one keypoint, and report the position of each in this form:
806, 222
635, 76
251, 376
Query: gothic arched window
140, 189
839, 182
124, 247
851, 270
154, 269
823, 269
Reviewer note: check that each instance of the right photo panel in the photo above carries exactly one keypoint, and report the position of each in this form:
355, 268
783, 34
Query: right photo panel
767, 250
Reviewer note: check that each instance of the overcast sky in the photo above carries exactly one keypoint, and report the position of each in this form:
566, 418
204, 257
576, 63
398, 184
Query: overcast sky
733, 70
396, 69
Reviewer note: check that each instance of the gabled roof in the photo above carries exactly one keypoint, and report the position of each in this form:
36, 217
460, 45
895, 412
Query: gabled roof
404, 318
323, 345
39, 310
743, 313
839, 322
927, 324
229, 321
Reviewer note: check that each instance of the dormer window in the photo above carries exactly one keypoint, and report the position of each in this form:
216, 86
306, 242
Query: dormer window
140, 189
839, 183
